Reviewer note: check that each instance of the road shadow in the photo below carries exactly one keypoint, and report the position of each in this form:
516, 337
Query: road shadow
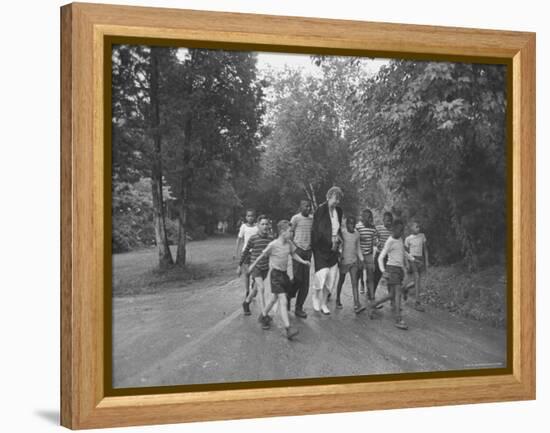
50, 415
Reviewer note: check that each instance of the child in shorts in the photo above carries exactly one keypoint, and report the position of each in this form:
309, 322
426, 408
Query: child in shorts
367, 238
393, 271
350, 259
415, 245
253, 249
279, 252
247, 229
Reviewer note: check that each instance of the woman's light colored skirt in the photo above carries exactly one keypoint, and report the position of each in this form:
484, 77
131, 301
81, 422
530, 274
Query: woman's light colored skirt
324, 283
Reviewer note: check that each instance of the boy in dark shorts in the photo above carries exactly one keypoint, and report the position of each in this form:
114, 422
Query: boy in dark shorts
253, 249
350, 259
393, 271
383, 233
279, 252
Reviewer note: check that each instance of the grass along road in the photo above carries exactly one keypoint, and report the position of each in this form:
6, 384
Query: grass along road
135, 272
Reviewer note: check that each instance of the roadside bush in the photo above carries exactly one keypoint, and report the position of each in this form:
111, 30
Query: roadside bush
477, 295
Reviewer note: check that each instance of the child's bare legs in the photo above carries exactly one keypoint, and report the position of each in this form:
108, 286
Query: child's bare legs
282, 306
282, 300
369, 269
246, 304
290, 332
246, 282
397, 291
417, 283
390, 296
264, 318
339, 289
397, 313
381, 283
259, 287
360, 277
270, 305
417, 290
355, 288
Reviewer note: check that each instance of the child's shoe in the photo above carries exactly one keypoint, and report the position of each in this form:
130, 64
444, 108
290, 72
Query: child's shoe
371, 310
359, 308
300, 313
338, 304
418, 307
291, 333
246, 308
401, 324
264, 320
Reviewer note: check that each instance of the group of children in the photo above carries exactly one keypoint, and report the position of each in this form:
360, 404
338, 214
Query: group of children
378, 252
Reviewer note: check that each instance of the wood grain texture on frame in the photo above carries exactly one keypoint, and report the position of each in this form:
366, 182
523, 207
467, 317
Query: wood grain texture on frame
83, 31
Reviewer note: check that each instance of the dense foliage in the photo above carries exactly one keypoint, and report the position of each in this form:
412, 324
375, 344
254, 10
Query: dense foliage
432, 137
426, 140
191, 118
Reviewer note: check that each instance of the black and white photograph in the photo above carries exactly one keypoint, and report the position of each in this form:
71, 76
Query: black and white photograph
280, 216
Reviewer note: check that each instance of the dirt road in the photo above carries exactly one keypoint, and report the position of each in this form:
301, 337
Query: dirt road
201, 336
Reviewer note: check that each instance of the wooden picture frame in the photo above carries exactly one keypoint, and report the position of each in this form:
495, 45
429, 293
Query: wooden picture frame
85, 28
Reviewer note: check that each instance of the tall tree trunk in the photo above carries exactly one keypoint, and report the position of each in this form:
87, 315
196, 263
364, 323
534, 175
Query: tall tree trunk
186, 177
159, 221
181, 257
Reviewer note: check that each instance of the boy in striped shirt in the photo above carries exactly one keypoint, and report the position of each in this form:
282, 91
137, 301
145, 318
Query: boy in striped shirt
253, 249
367, 237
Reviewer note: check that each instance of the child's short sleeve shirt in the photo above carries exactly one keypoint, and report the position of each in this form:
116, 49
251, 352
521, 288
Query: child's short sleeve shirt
246, 232
415, 244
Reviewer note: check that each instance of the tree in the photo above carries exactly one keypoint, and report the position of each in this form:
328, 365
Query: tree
137, 135
432, 135
212, 112
307, 148
165, 256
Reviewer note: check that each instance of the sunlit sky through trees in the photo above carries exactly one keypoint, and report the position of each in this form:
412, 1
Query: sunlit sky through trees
278, 61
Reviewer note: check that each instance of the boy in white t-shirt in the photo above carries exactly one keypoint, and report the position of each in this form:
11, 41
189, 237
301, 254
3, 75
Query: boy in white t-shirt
246, 230
279, 251
415, 245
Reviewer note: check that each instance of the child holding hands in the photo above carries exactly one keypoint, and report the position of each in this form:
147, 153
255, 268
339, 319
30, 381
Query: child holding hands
279, 252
